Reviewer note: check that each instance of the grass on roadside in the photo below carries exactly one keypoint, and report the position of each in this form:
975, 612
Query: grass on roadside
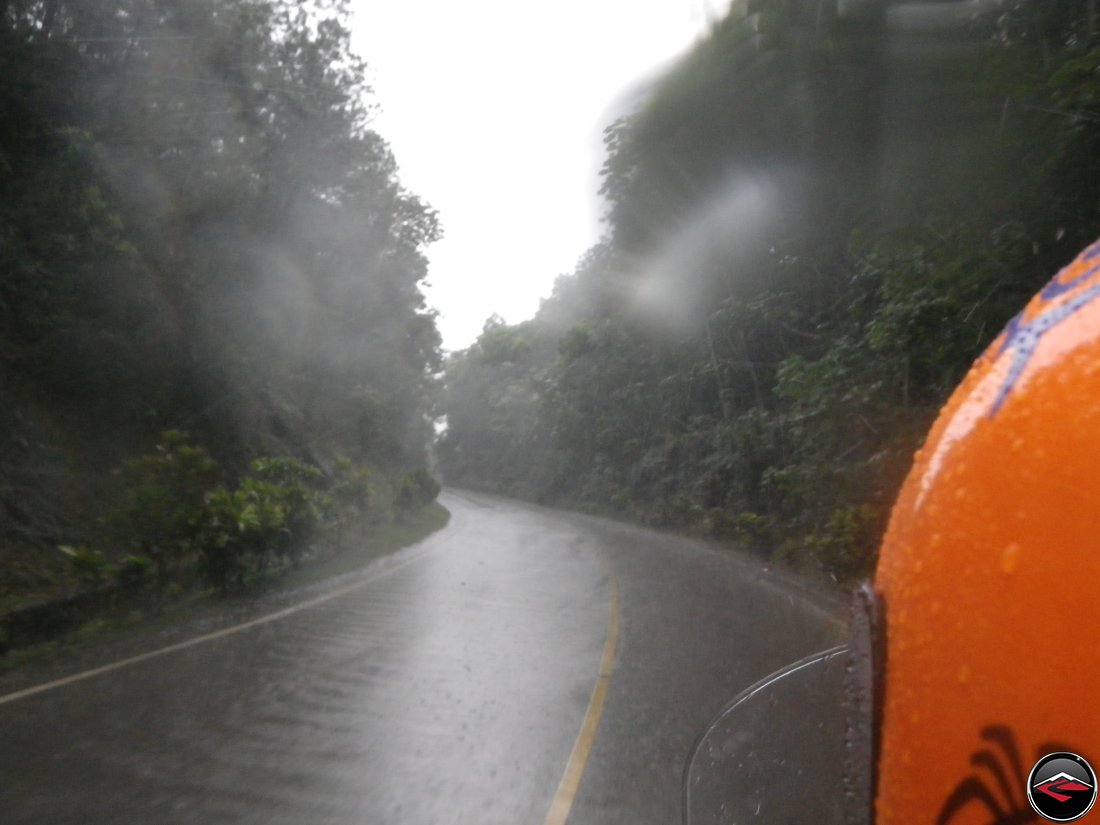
386, 539
382, 541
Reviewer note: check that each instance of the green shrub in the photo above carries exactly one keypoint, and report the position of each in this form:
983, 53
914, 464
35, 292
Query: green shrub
287, 472
164, 508
295, 489
349, 497
240, 526
846, 548
756, 532
90, 566
179, 515
271, 515
417, 489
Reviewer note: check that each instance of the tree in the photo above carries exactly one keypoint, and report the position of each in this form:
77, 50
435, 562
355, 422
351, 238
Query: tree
199, 230
830, 245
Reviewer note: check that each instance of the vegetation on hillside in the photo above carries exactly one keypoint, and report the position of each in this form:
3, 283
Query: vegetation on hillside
199, 233
814, 225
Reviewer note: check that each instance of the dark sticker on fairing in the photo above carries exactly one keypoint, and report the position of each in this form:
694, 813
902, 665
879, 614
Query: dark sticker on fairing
999, 784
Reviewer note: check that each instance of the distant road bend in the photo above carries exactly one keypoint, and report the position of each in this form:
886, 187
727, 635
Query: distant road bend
521, 666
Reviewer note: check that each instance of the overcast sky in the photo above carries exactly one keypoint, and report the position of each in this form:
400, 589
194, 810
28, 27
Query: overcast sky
495, 109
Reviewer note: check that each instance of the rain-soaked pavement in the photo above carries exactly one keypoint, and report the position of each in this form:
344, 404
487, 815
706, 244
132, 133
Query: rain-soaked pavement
446, 684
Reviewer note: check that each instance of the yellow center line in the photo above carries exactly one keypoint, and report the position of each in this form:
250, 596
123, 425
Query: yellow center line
207, 637
574, 769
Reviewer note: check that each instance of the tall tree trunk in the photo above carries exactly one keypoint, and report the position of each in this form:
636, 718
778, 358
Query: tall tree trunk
723, 395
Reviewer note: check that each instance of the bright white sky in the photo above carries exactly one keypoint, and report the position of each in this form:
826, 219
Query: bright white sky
495, 111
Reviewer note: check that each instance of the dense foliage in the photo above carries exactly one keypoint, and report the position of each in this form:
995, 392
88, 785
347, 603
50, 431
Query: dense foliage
198, 231
814, 225
180, 519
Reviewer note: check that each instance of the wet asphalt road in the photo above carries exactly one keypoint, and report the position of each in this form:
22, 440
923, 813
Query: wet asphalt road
446, 684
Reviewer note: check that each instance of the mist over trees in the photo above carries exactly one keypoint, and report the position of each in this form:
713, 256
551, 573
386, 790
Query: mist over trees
199, 233
814, 225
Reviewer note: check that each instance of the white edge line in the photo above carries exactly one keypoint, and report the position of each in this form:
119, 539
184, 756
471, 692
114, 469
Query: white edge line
206, 637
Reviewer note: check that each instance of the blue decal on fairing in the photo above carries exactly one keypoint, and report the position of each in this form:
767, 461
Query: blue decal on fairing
1023, 336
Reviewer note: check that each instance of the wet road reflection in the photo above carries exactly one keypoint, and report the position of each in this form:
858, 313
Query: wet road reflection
449, 688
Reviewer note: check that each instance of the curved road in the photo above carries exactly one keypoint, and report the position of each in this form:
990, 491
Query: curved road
458, 681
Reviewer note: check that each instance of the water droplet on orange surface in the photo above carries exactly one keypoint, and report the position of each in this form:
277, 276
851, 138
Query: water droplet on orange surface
964, 674
1010, 557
